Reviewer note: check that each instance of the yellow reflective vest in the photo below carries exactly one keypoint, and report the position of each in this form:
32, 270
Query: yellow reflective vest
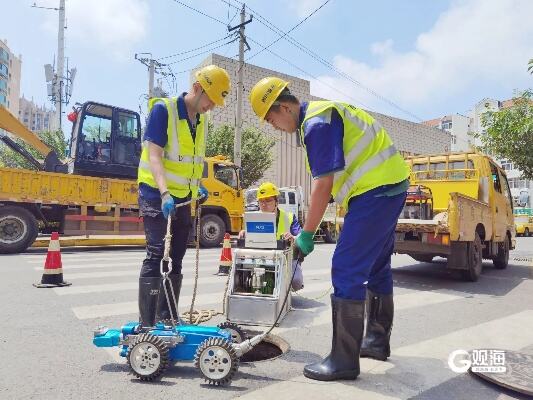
371, 160
284, 223
183, 158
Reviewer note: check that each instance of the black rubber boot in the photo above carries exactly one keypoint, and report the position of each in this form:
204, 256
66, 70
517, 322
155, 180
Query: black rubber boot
163, 312
148, 293
343, 360
380, 312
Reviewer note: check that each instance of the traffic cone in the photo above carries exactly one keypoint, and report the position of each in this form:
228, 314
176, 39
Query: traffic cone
225, 256
53, 270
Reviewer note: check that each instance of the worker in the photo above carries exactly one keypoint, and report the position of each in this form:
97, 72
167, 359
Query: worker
171, 165
287, 226
351, 158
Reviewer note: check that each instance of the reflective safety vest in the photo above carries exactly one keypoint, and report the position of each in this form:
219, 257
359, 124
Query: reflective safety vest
183, 158
371, 160
284, 223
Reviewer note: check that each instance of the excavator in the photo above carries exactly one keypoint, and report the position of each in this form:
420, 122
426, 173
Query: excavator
105, 142
92, 190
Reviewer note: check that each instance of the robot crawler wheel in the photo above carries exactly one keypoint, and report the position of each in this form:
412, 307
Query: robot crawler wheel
217, 361
147, 356
236, 332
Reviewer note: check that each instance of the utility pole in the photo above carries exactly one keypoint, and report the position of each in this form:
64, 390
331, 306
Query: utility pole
154, 67
237, 156
60, 61
151, 70
59, 83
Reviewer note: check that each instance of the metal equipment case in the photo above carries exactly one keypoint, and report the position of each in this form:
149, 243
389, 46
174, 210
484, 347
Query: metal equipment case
259, 281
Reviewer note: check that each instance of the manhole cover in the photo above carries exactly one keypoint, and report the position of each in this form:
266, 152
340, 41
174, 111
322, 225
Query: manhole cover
271, 347
518, 373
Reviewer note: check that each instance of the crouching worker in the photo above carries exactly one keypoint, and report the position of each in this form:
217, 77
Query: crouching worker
287, 225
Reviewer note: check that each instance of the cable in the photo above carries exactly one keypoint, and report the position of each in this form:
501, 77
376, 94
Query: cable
197, 48
326, 63
200, 12
290, 30
311, 75
203, 52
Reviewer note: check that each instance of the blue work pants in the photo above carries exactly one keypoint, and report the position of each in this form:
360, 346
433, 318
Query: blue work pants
362, 257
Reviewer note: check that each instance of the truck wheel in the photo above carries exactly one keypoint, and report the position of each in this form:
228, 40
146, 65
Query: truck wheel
212, 230
427, 258
18, 229
474, 260
526, 232
330, 235
502, 259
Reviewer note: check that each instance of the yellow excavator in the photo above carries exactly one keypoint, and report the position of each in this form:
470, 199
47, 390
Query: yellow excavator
93, 190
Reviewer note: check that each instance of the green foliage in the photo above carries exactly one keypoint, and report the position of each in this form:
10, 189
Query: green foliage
530, 66
256, 150
510, 133
12, 159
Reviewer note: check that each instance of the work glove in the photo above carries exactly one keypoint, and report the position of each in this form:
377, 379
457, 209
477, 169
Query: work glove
203, 195
167, 205
304, 241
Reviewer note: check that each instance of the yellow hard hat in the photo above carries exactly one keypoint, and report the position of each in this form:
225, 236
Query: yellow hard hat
266, 190
264, 94
215, 82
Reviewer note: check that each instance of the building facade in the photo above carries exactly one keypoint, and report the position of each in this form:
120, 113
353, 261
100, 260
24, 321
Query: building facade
10, 67
458, 126
34, 117
288, 168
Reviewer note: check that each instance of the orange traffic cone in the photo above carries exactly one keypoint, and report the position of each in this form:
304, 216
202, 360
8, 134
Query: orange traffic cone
225, 257
53, 270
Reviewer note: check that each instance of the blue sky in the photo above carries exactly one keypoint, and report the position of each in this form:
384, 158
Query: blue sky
429, 58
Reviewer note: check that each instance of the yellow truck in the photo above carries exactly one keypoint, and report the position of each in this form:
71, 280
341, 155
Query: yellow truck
458, 206
94, 192
523, 225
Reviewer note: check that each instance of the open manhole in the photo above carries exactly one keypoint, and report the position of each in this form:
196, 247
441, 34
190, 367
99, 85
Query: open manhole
271, 347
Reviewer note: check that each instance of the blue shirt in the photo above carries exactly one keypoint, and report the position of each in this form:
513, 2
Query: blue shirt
156, 132
323, 136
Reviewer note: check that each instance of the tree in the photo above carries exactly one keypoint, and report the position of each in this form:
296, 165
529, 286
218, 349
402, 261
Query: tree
530, 66
53, 139
510, 133
256, 150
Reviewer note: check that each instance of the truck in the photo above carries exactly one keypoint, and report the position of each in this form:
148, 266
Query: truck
291, 199
94, 191
459, 206
523, 225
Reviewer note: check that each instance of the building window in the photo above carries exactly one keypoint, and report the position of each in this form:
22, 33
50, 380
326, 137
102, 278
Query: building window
454, 139
507, 165
446, 125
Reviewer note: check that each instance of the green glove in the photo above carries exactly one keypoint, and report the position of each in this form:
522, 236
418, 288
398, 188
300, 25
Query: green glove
304, 241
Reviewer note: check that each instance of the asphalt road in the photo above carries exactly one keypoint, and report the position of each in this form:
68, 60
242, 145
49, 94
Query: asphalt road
46, 338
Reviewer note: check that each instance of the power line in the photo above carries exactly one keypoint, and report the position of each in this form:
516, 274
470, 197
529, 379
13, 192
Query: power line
200, 12
197, 48
326, 63
309, 74
203, 52
290, 30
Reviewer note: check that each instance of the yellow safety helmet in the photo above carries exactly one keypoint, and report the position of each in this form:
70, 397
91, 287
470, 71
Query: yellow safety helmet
264, 94
215, 82
266, 190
